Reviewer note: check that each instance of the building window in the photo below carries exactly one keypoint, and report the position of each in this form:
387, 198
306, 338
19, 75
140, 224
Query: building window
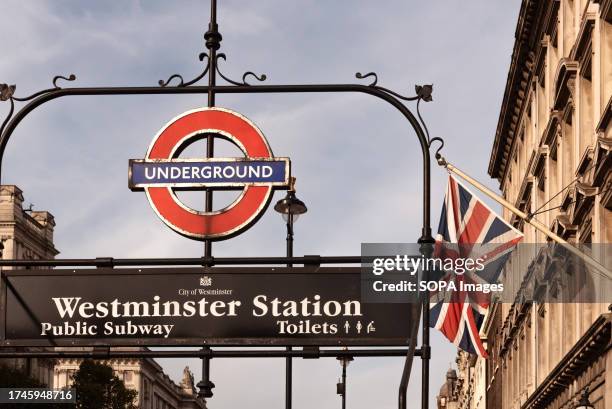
587, 126
606, 69
568, 27
568, 149
69, 376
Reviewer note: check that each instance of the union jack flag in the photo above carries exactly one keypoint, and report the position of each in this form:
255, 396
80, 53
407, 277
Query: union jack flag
468, 229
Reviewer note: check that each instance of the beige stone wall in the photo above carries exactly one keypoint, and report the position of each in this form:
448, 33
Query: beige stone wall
155, 389
26, 235
554, 130
563, 127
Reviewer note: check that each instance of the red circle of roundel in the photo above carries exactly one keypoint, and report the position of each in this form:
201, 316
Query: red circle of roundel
236, 217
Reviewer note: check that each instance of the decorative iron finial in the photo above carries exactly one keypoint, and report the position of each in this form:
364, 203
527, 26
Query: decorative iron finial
213, 37
6, 91
424, 92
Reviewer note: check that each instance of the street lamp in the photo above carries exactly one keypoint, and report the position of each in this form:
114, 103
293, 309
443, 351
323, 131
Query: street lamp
345, 360
290, 207
584, 402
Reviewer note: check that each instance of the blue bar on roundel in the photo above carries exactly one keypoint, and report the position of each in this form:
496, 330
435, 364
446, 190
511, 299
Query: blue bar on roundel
215, 172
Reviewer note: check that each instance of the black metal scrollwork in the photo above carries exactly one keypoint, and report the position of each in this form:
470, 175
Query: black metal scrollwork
438, 155
71, 77
259, 78
163, 83
395, 94
7, 93
361, 76
9, 115
423, 93
181, 83
215, 64
224, 58
421, 118
213, 42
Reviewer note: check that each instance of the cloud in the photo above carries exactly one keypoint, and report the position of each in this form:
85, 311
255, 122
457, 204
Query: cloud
357, 161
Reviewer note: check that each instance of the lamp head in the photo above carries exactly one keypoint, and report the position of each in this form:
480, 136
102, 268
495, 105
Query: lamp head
584, 402
290, 204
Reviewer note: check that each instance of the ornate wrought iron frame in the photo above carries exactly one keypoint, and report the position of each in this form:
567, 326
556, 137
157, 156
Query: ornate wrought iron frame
175, 84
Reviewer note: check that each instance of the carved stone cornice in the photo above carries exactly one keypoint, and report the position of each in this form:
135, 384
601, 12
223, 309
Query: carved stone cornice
564, 82
563, 227
529, 34
26, 233
582, 204
12, 191
593, 344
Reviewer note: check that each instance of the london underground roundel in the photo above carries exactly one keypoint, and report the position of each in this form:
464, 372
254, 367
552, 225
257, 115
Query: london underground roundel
162, 172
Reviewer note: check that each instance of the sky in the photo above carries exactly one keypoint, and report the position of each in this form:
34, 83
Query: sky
357, 161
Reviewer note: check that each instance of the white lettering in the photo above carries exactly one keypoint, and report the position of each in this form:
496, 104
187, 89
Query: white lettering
67, 305
266, 171
147, 172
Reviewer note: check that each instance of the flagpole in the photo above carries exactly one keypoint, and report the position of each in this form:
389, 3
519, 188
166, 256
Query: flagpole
525, 217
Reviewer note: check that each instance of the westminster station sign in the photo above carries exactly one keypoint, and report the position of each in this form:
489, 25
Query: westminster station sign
192, 306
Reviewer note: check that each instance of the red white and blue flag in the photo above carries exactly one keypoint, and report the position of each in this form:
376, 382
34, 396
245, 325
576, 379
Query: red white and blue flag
468, 229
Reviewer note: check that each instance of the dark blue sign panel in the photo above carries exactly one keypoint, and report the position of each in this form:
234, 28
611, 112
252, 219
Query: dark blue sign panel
212, 172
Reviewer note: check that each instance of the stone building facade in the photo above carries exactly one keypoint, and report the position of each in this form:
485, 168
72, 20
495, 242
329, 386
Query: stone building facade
448, 397
467, 388
551, 156
26, 234
155, 389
